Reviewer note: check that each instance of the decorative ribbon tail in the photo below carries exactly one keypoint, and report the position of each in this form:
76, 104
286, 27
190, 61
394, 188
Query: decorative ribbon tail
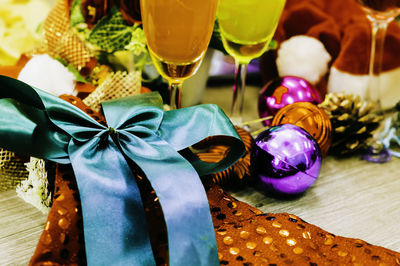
114, 220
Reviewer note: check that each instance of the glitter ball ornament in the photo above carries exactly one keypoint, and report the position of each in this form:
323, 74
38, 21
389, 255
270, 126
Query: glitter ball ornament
286, 159
284, 91
309, 117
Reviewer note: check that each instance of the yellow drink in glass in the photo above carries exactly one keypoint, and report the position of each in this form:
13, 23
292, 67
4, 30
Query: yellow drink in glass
178, 33
247, 26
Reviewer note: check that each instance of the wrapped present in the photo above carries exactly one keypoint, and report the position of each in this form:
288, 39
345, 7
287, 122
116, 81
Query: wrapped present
138, 133
245, 235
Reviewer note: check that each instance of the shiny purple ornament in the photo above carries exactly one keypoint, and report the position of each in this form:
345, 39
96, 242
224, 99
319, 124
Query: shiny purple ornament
286, 160
284, 91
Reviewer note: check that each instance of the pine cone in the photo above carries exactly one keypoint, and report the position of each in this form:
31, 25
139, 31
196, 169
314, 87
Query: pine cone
353, 122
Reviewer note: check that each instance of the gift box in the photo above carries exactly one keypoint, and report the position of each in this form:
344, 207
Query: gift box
139, 139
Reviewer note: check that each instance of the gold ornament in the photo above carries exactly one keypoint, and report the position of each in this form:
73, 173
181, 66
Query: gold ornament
309, 117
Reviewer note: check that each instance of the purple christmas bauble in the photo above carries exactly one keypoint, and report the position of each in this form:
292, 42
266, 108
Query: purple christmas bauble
286, 160
284, 91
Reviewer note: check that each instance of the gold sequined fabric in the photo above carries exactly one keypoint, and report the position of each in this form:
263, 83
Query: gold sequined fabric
116, 85
245, 235
62, 241
60, 41
12, 170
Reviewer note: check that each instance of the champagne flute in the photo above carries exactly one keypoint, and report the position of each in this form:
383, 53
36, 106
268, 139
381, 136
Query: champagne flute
380, 13
178, 33
247, 27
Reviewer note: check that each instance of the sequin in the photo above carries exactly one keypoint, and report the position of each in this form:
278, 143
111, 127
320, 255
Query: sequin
228, 240
257, 253
257, 212
220, 256
291, 242
267, 240
62, 211
328, 241
63, 223
298, 250
273, 247
261, 230
234, 251
46, 254
367, 250
221, 232
232, 205
216, 209
60, 198
277, 224
251, 245
244, 234
342, 253
306, 235
221, 216
46, 238
47, 225
237, 213
284, 233
313, 246
300, 227
62, 237
76, 210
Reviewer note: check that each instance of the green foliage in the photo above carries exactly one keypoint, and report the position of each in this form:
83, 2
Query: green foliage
75, 72
76, 16
216, 41
111, 33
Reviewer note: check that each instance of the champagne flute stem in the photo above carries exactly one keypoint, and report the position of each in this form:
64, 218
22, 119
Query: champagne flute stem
238, 91
376, 151
379, 28
175, 95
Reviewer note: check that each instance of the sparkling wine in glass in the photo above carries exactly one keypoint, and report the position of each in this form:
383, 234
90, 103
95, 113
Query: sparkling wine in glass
247, 27
178, 33
380, 13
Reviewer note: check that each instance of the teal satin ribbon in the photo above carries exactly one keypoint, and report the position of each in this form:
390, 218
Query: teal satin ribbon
38, 124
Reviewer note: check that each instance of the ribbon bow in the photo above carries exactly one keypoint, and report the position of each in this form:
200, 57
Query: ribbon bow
41, 125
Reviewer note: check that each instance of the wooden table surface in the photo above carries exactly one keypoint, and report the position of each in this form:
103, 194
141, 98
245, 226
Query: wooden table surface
352, 198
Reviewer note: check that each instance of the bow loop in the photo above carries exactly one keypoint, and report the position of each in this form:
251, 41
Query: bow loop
145, 111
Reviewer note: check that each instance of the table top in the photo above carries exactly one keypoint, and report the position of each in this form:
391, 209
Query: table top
351, 198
